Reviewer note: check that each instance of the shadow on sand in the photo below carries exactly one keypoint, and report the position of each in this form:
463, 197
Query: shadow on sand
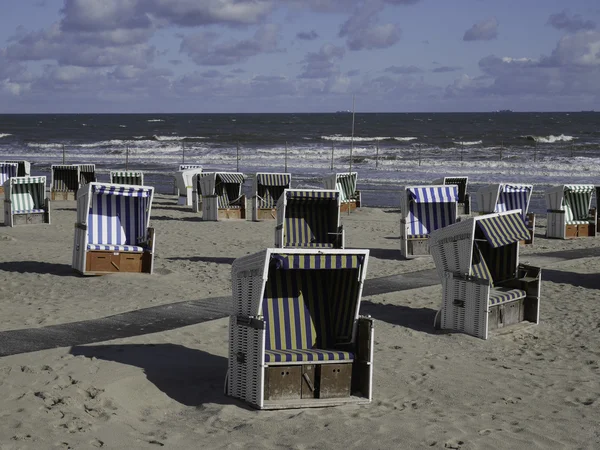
418, 319
584, 280
210, 259
44, 268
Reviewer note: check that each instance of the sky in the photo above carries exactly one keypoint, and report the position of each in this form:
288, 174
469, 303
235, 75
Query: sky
238, 56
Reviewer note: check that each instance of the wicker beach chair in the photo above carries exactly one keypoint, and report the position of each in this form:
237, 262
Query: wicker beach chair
483, 285
423, 210
295, 336
464, 199
506, 197
219, 195
184, 182
7, 171
112, 232
130, 177
268, 187
25, 201
87, 173
350, 198
65, 181
189, 166
309, 218
569, 212
24, 169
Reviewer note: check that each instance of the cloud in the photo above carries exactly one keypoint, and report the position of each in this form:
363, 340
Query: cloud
322, 64
203, 48
403, 70
486, 30
562, 21
445, 69
581, 49
307, 35
362, 32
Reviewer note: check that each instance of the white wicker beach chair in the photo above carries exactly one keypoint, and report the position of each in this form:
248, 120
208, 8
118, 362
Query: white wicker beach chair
130, 177
87, 173
24, 169
423, 210
112, 232
25, 201
350, 197
268, 187
221, 195
309, 219
464, 199
506, 197
295, 336
7, 171
65, 181
184, 182
569, 212
483, 285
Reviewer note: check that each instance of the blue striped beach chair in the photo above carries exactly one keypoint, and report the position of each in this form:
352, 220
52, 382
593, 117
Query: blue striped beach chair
423, 210
484, 287
131, 177
7, 171
222, 196
569, 211
506, 197
184, 180
268, 187
24, 169
309, 219
25, 201
112, 233
464, 199
295, 336
350, 197
65, 181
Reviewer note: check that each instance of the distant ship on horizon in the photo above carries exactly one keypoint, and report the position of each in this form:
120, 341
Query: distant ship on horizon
504, 110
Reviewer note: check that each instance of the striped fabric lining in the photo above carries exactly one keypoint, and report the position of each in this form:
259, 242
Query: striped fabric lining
501, 261
577, 200
503, 230
270, 187
23, 169
65, 178
7, 171
28, 194
344, 298
316, 262
116, 248
228, 189
479, 267
461, 182
87, 173
514, 197
431, 208
504, 295
308, 225
280, 356
127, 177
314, 197
346, 184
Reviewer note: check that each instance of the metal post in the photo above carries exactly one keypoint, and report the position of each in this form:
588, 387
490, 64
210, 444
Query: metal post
332, 146
285, 157
182, 152
377, 156
63, 146
352, 139
127, 158
419, 147
535, 152
501, 149
237, 158
462, 150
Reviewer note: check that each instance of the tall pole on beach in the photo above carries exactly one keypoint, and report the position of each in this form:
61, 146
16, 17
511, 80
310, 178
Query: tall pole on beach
377, 157
237, 157
285, 157
182, 152
127, 158
63, 153
352, 139
332, 146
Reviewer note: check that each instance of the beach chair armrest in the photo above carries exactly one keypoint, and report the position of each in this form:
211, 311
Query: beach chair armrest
81, 226
250, 322
470, 278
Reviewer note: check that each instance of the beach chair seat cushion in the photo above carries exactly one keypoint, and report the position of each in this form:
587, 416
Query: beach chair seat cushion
310, 244
306, 355
29, 211
500, 295
116, 248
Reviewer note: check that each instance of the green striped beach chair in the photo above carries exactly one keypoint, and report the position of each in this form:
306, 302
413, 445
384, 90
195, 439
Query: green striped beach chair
309, 219
25, 201
65, 181
569, 211
350, 197
464, 199
295, 336
222, 196
484, 287
268, 187
131, 177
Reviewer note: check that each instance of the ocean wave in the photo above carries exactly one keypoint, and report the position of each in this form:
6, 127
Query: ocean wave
340, 138
176, 138
122, 126
43, 145
468, 143
3, 135
550, 139
406, 139
155, 120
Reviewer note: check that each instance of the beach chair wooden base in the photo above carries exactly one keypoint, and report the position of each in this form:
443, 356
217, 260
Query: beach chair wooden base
334, 380
417, 247
232, 213
104, 262
1, 189
579, 230
349, 206
63, 196
266, 214
290, 382
30, 219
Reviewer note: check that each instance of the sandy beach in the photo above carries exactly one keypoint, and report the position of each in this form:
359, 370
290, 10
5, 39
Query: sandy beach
530, 386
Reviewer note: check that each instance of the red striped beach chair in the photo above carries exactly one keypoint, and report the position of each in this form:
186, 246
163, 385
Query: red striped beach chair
268, 187
350, 197
484, 287
65, 182
25, 201
112, 232
569, 212
423, 210
221, 195
295, 336
309, 219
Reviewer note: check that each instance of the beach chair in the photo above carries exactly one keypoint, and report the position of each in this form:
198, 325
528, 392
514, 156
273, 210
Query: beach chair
484, 287
221, 195
24, 169
87, 173
464, 199
184, 182
309, 218
7, 171
65, 181
345, 183
296, 339
130, 177
25, 201
189, 166
423, 210
183, 167
112, 232
268, 187
506, 197
569, 212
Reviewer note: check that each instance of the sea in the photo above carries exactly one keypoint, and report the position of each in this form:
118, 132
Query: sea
387, 150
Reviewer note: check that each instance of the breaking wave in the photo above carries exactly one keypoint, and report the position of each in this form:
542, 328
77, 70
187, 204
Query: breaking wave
550, 139
3, 135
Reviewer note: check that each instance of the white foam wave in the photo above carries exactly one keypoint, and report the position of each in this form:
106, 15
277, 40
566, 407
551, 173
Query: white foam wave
123, 126
551, 139
2, 135
43, 145
406, 139
176, 138
468, 143
340, 138
155, 120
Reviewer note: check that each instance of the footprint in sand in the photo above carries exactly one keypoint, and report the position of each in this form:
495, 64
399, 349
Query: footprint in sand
453, 443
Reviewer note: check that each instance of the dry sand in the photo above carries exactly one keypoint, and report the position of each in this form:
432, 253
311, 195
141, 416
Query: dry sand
526, 387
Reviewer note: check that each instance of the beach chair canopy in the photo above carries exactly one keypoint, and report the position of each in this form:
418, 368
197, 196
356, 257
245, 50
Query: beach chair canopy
512, 196
184, 178
461, 183
87, 173
27, 194
135, 178
227, 186
346, 184
65, 177
118, 216
8, 170
430, 208
269, 187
